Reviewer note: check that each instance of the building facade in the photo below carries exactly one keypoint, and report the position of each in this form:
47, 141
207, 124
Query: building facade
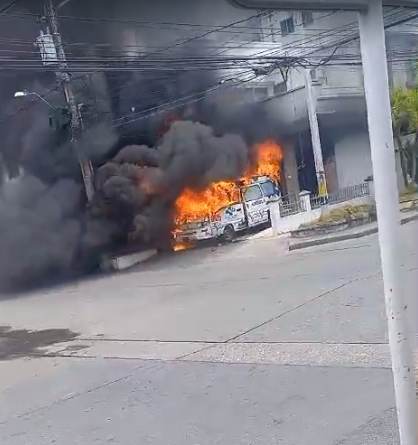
338, 92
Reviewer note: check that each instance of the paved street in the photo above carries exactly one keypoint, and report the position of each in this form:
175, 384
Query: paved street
238, 344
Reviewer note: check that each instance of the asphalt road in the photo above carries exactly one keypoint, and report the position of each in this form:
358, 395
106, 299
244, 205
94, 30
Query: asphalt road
239, 344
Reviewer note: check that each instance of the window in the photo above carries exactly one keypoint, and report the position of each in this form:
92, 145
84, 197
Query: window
252, 193
307, 18
314, 75
287, 26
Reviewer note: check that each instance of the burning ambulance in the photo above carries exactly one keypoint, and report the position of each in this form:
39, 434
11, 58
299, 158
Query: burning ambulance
225, 208
251, 210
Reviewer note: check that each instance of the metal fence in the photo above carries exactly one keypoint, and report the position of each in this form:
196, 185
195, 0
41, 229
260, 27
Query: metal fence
318, 201
291, 205
347, 193
341, 195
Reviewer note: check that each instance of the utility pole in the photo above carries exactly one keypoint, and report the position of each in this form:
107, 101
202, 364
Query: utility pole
315, 135
65, 79
373, 53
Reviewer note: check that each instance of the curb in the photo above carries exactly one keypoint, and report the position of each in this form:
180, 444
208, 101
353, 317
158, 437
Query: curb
123, 262
408, 219
333, 239
344, 237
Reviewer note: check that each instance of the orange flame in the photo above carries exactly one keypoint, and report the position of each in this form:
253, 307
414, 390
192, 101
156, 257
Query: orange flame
194, 205
269, 160
179, 246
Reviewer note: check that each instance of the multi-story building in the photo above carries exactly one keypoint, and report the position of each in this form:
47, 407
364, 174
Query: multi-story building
338, 92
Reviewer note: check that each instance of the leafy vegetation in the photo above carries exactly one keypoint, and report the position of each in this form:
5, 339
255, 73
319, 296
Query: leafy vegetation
341, 215
405, 129
346, 213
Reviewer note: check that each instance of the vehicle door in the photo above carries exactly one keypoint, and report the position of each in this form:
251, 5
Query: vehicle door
255, 205
235, 216
231, 215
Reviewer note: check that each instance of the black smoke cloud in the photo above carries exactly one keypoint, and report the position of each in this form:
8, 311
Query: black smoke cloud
42, 218
47, 228
191, 154
139, 186
39, 228
136, 184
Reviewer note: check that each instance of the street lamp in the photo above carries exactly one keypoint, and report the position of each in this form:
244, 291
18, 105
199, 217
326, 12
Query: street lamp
26, 93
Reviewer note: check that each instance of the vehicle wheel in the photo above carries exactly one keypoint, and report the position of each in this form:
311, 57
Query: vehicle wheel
229, 234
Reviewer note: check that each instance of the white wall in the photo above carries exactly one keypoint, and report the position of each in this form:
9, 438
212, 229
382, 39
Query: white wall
325, 28
353, 158
338, 81
290, 167
289, 223
293, 222
286, 224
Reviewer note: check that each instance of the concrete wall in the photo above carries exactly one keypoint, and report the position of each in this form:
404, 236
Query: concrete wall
330, 168
341, 82
281, 225
293, 222
353, 158
286, 224
305, 36
332, 81
290, 167
288, 111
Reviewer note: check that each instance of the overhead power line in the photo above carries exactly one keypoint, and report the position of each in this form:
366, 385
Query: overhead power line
8, 7
305, 43
140, 23
333, 54
180, 102
304, 52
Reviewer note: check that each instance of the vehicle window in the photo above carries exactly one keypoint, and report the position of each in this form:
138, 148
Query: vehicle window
268, 188
252, 193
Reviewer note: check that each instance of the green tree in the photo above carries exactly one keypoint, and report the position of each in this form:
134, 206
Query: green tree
405, 122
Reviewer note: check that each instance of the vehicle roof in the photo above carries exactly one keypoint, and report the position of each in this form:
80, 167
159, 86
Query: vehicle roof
258, 182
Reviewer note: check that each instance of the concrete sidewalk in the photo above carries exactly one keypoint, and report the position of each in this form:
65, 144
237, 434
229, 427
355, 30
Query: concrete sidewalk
151, 355
355, 232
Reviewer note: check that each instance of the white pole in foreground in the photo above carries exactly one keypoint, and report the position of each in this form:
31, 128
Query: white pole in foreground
373, 53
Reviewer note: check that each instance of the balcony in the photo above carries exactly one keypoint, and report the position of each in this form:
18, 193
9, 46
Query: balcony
288, 111
341, 82
340, 97
340, 100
